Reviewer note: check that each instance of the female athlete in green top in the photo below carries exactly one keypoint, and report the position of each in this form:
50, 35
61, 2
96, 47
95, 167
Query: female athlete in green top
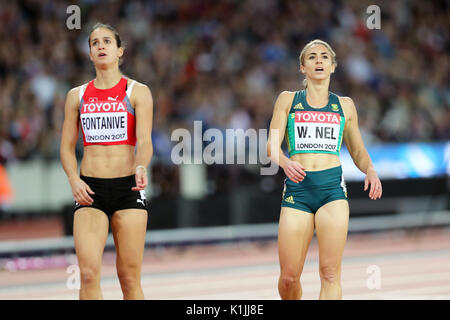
314, 122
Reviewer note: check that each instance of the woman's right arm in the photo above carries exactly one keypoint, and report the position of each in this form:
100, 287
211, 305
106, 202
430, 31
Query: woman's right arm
294, 170
69, 137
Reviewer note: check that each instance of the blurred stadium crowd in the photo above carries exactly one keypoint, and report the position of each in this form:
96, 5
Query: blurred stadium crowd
224, 62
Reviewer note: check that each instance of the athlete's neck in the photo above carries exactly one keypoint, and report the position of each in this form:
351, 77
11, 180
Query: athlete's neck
107, 78
317, 93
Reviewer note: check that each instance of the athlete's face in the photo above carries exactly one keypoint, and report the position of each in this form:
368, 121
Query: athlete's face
317, 62
104, 48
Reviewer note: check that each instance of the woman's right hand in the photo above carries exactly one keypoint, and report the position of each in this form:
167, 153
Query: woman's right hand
294, 171
81, 191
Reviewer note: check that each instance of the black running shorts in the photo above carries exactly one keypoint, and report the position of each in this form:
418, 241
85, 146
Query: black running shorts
112, 194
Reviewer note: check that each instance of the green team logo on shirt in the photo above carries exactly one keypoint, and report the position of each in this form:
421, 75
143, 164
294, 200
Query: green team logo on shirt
334, 107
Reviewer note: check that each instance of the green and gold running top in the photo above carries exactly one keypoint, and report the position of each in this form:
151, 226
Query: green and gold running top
314, 130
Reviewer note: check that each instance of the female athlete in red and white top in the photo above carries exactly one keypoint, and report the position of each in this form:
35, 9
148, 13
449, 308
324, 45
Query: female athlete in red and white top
115, 114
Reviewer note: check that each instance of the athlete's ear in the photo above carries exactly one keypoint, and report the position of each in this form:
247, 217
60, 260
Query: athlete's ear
333, 68
120, 52
302, 69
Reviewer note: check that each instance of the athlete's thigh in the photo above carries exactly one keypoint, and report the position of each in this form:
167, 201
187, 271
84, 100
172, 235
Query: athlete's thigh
295, 231
129, 228
90, 231
331, 222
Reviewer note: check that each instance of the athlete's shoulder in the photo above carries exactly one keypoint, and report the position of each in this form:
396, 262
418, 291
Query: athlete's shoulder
136, 83
142, 88
139, 87
285, 98
287, 94
346, 102
76, 90
284, 101
347, 105
73, 97
74, 93
141, 93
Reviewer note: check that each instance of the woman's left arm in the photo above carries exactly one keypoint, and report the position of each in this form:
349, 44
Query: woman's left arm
357, 150
143, 105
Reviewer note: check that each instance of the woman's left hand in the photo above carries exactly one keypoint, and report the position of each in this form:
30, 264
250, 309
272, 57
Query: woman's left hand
375, 185
141, 180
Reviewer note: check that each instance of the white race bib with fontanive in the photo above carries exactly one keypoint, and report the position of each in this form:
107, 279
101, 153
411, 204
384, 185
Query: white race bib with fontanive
317, 131
101, 125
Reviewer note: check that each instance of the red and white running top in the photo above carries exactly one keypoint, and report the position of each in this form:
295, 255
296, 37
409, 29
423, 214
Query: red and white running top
106, 115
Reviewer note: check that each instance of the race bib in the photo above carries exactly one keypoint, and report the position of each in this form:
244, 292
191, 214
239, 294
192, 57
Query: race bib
317, 131
101, 125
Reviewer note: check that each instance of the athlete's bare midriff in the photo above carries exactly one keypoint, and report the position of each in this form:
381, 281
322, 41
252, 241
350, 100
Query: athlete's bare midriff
316, 161
113, 161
